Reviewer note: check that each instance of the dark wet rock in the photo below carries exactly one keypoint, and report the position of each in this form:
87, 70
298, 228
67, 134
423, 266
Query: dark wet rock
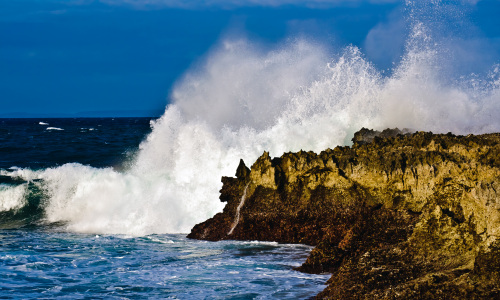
395, 216
242, 171
366, 136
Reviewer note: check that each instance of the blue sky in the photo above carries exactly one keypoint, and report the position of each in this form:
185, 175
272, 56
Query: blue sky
122, 57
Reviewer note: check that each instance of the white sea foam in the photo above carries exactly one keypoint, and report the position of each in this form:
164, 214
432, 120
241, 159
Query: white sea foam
244, 100
53, 128
12, 198
43, 123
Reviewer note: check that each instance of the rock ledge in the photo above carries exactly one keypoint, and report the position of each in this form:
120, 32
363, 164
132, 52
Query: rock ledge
395, 216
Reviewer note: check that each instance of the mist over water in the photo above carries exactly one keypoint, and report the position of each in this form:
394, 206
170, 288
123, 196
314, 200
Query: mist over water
243, 99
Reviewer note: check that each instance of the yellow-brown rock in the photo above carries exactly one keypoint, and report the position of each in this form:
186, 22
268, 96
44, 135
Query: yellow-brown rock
395, 216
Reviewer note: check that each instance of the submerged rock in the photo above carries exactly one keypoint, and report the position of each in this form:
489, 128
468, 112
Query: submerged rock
397, 215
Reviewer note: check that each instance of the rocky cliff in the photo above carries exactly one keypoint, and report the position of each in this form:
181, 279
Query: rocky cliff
395, 216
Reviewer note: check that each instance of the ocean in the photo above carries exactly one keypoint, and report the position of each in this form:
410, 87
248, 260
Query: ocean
100, 208
42, 258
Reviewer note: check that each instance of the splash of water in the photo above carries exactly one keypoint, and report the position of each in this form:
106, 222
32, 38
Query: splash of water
245, 100
12, 198
237, 216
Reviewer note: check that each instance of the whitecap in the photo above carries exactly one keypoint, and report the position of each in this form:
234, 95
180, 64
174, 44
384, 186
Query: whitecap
12, 198
242, 100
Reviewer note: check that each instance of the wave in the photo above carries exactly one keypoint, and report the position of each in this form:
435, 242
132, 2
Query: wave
54, 128
21, 205
243, 100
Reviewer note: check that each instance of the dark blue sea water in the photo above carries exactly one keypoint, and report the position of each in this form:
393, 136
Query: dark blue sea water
40, 258
43, 143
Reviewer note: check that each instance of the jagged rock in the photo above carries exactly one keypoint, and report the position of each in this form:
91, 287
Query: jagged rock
395, 216
366, 136
242, 171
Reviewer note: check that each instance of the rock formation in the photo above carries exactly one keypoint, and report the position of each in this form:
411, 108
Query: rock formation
395, 216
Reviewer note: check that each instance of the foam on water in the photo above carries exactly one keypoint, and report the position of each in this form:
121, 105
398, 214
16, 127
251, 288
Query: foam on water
12, 198
244, 100
58, 265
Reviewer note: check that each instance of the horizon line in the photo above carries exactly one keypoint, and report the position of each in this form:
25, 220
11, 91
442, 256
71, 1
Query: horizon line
87, 114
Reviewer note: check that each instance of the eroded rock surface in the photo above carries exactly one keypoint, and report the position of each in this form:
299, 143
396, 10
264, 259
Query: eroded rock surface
395, 216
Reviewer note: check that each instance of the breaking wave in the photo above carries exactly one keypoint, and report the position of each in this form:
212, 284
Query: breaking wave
244, 99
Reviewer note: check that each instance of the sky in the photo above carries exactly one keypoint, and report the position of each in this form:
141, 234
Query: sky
66, 58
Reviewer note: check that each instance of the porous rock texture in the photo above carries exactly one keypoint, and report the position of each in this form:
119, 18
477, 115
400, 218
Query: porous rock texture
395, 216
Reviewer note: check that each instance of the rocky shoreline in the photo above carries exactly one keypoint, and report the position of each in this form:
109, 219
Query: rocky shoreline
396, 216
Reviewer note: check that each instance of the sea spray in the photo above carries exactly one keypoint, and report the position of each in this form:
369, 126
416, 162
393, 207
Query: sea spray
237, 216
12, 198
244, 100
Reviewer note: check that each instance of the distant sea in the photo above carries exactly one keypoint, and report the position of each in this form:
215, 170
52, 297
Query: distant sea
41, 258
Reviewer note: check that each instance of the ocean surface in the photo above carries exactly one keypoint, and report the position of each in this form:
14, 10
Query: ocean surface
45, 258
99, 208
